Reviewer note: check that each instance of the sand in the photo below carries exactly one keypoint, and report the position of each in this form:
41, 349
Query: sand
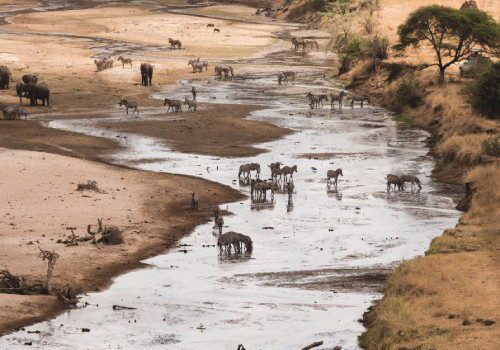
39, 204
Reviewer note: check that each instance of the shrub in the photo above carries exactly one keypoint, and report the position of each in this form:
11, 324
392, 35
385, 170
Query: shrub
377, 47
408, 94
368, 25
484, 92
491, 146
395, 70
356, 47
306, 7
346, 62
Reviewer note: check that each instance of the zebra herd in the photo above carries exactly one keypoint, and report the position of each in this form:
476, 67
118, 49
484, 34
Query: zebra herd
316, 100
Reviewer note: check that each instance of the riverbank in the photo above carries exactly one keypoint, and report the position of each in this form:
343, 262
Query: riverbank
39, 198
446, 299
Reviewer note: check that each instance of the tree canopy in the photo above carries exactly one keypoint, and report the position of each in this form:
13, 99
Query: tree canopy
453, 34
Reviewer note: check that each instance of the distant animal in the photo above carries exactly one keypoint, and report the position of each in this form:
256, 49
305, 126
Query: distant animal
260, 188
21, 91
175, 44
219, 223
129, 105
413, 180
210, 25
281, 78
103, 63
125, 61
216, 30
29, 78
312, 43
37, 92
198, 65
247, 168
333, 174
193, 92
235, 240
338, 98
298, 43
21, 112
316, 100
5, 77
216, 212
394, 180
146, 74
288, 170
9, 113
275, 167
175, 105
192, 104
289, 76
194, 201
360, 99
289, 189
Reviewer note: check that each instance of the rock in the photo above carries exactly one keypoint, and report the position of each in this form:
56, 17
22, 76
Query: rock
85, 330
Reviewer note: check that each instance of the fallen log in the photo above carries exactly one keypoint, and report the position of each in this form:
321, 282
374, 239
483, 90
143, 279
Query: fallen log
120, 307
313, 345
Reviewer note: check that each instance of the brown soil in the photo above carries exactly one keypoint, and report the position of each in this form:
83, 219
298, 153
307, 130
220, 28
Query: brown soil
219, 130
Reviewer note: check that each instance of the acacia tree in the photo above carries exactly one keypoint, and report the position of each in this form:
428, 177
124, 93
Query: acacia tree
453, 34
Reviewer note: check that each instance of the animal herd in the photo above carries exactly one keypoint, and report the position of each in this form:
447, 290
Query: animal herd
316, 100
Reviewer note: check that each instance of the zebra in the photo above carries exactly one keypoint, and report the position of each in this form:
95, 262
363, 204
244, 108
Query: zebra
289, 170
247, 168
316, 100
175, 44
9, 113
129, 105
289, 76
394, 180
219, 223
176, 105
412, 179
361, 99
275, 167
198, 66
338, 97
194, 201
192, 104
333, 174
289, 188
297, 43
216, 30
312, 43
281, 78
216, 210
125, 61
210, 25
260, 189
21, 112
235, 239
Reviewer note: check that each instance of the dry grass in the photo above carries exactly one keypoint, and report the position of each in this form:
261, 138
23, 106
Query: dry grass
463, 149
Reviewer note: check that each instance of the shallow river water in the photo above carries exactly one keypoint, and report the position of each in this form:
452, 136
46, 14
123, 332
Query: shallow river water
316, 265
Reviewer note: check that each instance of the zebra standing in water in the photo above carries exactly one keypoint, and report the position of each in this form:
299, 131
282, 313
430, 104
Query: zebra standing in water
411, 179
394, 180
333, 174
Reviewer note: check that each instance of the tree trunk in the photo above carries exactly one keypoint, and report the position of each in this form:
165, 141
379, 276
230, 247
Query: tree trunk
441, 75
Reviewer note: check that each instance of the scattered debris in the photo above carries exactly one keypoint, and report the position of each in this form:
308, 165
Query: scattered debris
268, 228
51, 257
313, 345
91, 185
120, 307
85, 330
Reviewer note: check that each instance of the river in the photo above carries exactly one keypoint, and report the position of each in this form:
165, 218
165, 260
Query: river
316, 264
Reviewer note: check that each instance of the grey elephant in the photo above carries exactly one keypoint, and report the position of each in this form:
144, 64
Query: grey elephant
146, 74
38, 92
30, 78
5, 77
21, 91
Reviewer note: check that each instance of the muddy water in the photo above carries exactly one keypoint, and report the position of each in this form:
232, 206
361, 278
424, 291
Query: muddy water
317, 263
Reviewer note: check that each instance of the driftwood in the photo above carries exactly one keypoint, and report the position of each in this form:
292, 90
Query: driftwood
120, 307
51, 257
313, 345
9, 281
67, 296
105, 234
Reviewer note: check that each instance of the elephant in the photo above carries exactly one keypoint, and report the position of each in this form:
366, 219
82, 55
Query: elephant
147, 74
30, 78
5, 77
21, 91
38, 92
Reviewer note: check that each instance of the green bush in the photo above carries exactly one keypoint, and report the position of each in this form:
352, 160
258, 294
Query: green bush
484, 92
408, 94
356, 47
377, 47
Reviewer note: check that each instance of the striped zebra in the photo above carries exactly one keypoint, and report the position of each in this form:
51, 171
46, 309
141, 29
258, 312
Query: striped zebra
394, 180
129, 105
333, 174
411, 179
247, 168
